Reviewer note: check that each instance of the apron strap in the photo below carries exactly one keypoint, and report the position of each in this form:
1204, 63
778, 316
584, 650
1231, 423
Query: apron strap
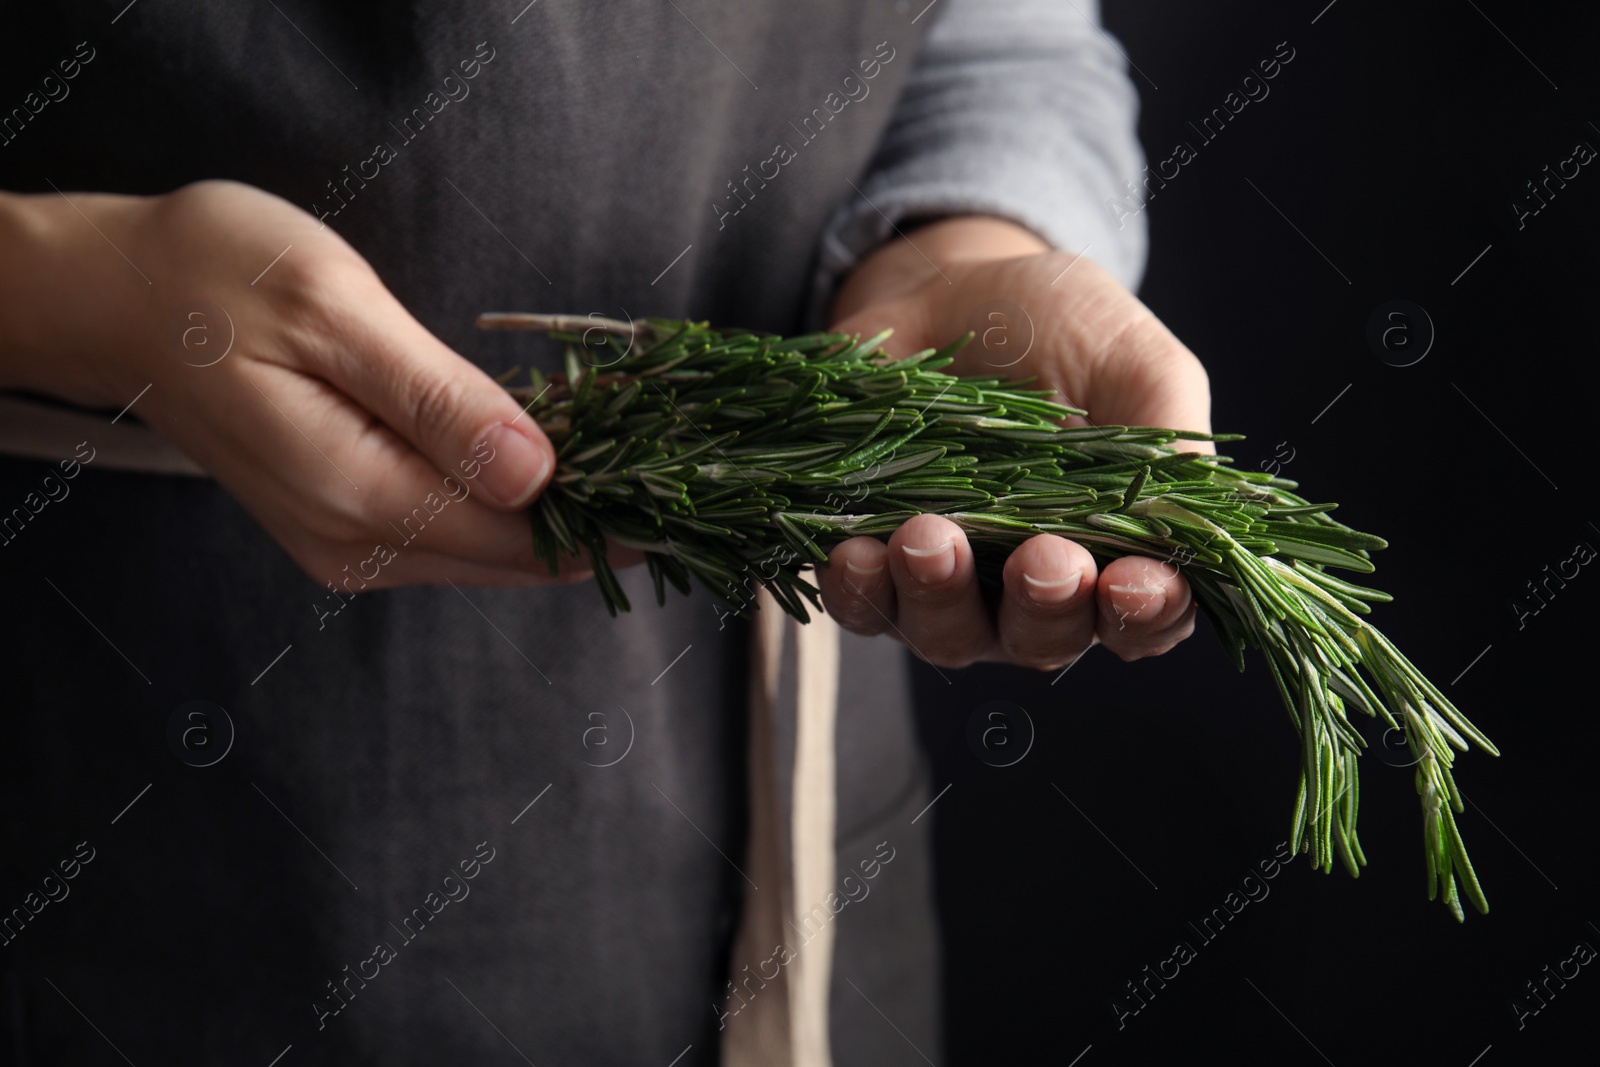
782, 1020
35, 430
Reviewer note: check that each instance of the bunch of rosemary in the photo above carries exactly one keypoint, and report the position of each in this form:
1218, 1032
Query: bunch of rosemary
723, 454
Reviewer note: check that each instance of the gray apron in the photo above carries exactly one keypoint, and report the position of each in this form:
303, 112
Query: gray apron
415, 846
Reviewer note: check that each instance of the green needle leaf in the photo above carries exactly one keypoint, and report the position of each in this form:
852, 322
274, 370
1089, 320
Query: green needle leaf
731, 458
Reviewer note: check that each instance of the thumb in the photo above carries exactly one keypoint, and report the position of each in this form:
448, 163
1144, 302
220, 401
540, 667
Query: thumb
1157, 381
461, 419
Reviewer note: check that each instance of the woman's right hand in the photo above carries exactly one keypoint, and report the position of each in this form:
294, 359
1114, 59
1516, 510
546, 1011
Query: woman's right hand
333, 417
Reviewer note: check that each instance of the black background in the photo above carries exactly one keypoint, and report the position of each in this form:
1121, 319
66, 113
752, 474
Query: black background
1396, 141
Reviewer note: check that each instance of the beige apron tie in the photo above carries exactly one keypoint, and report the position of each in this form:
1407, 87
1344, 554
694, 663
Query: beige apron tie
45, 432
812, 825
783, 1021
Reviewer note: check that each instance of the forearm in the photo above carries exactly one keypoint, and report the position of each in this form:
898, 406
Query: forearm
1017, 110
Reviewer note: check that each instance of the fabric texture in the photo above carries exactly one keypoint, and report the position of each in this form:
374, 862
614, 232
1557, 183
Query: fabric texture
1020, 110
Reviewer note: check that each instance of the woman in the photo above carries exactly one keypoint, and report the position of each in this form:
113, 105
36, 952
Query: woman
416, 846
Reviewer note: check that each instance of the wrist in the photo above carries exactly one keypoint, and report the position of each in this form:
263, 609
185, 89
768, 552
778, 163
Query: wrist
927, 252
69, 301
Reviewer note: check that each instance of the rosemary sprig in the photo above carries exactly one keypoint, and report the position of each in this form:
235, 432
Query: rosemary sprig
729, 455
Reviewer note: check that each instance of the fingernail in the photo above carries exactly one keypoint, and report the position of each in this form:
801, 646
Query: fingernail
518, 467
1053, 591
1146, 600
861, 580
932, 565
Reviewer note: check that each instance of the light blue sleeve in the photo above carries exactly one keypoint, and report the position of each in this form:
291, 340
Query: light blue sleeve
1021, 109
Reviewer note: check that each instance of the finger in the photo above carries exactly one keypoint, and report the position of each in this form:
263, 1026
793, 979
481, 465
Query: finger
1181, 630
348, 569
452, 412
359, 483
1047, 613
412, 504
940, 612
379, 566
431, 568
857, 589
418, 560
1145, 607
474, 534
418, 567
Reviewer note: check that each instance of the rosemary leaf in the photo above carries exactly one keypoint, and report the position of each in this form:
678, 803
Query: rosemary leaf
729, 457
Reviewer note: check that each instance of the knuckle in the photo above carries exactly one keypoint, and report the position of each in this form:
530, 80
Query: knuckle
337, 521
1123, 645
324, 303
315, 286
948, 652
434, 403
202, 204
1034, 654
1171, 641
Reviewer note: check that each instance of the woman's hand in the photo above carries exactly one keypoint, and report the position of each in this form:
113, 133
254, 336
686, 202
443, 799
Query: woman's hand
333, 416
1073, 328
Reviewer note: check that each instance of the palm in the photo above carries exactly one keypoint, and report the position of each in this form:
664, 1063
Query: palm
1079, 333
1073, 329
